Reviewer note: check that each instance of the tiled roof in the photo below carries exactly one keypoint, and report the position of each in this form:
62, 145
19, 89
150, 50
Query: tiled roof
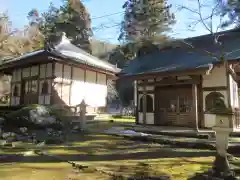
184, 57
67, 50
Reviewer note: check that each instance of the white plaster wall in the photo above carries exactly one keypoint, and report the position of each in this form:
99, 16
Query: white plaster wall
149, 118
44, 99
216, 78
49, 72
16, 76
34, 71
93, 90
66, 74
233, 92
58, 72
209, 120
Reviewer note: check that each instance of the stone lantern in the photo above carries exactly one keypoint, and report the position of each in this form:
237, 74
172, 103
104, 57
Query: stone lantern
83, 115
223, 127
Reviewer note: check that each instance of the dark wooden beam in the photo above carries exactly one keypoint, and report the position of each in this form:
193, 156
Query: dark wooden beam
62, 79
147, 91
195, 104
200, 104
171, 81
45, 76
52, 81
71, 84
216, 88
38, 82
187, 72
137, 107
144, 103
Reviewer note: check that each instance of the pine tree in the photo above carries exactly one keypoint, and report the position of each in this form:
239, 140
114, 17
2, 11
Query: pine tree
231, 10
145, 19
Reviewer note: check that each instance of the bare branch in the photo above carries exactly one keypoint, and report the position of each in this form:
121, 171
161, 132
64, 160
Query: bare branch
228, 53
212, 55
201, 18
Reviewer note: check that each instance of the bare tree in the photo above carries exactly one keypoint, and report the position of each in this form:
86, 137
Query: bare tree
14, 43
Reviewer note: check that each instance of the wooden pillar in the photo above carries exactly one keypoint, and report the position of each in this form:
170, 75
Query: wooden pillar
136, 100
144, 102
195, 104
228, 84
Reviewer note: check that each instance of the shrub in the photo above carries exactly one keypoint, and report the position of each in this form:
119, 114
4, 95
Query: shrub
22, 118
117, 116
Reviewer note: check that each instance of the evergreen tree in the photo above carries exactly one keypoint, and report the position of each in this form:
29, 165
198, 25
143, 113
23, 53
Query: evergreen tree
73, 19
230, 9
145, 19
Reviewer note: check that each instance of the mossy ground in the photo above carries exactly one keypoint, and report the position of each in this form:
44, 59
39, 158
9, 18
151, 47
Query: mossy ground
114, 155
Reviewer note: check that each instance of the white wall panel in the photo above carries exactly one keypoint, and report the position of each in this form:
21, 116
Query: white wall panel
91, 76
216, 78
34, 70
101, 79
26, 72
49, 72
78, 74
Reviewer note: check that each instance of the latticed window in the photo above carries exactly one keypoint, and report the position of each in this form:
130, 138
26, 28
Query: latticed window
44, 88
214, 99
15, 91
149, 103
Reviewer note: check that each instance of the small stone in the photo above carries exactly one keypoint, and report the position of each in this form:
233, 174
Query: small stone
29, 153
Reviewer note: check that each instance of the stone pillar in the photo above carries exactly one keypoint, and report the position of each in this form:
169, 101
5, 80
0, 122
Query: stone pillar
83, 115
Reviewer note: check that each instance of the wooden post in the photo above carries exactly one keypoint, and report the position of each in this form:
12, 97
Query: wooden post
144, 102
228, 84
136, 101
195, 104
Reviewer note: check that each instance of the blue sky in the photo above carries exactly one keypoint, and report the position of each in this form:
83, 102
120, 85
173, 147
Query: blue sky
105, 28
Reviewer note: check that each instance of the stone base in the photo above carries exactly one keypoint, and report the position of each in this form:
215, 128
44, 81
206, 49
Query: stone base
221, 166
210, 175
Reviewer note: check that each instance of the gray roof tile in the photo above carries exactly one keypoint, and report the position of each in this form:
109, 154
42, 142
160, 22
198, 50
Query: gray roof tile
183, 57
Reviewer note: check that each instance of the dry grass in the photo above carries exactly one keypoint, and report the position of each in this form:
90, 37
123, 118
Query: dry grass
110, 154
